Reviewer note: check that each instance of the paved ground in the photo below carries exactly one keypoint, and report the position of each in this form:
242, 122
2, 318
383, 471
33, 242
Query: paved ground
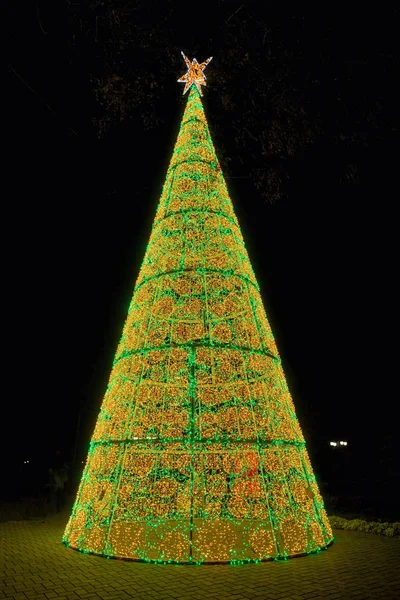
34, 564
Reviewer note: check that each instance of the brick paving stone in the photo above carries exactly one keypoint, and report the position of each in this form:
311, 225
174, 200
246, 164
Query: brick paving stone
36, 566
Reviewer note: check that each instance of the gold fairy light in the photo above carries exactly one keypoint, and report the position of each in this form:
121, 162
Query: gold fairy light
197, 454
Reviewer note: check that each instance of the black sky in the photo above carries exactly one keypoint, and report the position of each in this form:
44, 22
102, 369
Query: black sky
78, 212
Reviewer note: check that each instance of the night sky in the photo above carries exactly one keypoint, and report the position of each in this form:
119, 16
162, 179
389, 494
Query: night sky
78, 208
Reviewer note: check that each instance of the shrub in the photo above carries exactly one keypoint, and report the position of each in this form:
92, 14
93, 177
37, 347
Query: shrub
387, 529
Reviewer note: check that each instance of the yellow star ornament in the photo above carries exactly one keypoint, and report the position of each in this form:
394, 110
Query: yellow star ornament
194, 74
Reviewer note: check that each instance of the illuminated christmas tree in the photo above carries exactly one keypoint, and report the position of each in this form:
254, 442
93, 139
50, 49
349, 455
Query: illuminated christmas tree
197, 454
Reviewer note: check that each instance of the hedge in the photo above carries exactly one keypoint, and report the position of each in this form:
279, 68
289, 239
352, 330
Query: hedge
387, 529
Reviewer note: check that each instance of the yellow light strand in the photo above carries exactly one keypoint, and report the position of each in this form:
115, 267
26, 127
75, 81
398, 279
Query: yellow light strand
197, 454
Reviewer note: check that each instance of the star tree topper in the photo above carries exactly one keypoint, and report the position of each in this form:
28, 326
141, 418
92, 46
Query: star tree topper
194, 74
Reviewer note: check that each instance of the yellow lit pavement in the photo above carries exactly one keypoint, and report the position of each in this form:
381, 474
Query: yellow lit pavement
35, 565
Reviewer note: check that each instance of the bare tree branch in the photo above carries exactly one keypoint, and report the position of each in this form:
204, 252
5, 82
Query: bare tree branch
36, 94
40, 24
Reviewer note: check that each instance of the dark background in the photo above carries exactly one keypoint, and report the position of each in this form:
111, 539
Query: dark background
302, 106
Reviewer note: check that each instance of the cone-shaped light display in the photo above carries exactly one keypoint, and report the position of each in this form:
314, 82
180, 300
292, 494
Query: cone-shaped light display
197, 454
